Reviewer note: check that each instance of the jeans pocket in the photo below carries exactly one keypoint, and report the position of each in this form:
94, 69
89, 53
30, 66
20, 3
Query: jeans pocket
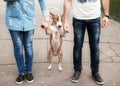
77, 26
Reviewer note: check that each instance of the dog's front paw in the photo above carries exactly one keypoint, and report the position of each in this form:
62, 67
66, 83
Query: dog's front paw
50, 67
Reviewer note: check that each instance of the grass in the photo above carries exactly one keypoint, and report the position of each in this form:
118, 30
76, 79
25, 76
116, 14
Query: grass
115, 10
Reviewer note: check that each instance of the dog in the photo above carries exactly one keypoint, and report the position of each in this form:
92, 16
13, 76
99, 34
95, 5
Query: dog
56, 32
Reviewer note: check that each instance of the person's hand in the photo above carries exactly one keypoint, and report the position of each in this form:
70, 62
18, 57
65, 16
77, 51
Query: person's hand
66, 27
45, 23
104, 22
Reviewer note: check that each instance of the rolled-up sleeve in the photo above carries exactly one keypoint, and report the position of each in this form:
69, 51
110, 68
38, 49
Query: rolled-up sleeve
44, 7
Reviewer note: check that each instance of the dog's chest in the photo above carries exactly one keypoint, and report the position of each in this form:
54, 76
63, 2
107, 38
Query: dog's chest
55, 41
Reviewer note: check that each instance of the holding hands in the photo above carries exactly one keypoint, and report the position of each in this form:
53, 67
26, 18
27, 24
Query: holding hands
66, 27
45, 23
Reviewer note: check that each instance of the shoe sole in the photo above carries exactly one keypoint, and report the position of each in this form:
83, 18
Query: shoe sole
74, 81
19, 82
29, 81
100, 83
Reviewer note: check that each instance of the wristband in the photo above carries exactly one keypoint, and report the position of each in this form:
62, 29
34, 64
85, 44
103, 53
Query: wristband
107, 16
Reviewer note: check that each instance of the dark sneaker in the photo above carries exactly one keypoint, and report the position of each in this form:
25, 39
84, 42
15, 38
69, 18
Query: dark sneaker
75, 77
29, 77
20, 79
98, 79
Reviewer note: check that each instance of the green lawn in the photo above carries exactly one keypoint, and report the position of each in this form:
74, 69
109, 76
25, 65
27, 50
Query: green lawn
115, 10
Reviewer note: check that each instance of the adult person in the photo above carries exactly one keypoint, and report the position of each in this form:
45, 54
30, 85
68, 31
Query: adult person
86, 16
20, 21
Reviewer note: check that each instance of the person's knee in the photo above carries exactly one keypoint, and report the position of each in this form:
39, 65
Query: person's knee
18, 48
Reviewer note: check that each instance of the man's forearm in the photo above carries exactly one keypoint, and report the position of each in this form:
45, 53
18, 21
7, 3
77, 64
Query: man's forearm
67, 7
106, 4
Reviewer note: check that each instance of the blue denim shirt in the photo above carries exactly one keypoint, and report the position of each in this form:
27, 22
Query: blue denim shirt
20, 15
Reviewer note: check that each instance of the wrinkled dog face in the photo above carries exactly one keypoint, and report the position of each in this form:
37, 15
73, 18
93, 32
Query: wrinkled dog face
57, 20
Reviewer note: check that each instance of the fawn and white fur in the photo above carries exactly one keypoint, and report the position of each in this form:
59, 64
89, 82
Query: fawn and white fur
56, 32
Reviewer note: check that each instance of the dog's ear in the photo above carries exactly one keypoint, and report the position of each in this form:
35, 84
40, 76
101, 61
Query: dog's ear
62, 17
51, 14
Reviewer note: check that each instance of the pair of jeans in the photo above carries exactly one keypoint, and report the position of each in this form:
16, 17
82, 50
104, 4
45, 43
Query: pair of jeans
22, 42
93, 30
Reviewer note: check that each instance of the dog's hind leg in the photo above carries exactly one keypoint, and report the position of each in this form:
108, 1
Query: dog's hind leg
50, 67
60, 62
50, 63
50, 60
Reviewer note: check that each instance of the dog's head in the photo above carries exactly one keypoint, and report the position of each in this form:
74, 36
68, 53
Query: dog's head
56, 25
57, 20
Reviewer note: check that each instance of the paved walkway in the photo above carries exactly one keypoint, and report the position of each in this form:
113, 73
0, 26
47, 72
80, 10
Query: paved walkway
109, 53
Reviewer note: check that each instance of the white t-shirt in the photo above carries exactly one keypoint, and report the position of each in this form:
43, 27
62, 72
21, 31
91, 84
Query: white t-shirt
86, 9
